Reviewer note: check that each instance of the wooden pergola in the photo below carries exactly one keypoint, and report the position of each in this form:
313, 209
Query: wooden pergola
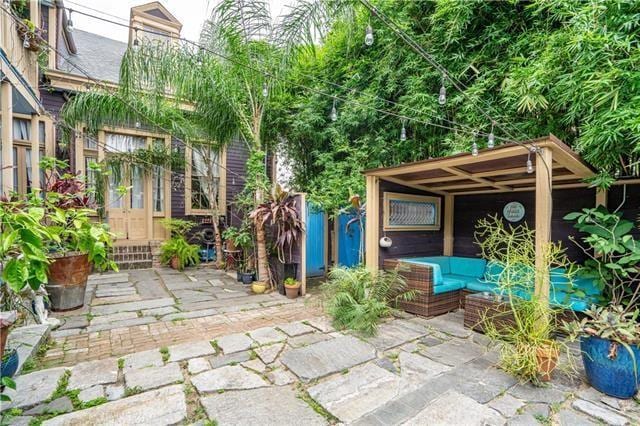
499, 170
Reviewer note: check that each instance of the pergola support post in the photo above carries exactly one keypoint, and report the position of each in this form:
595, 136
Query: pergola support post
448, 225
544, 163
602, 196
372, 223
6, 110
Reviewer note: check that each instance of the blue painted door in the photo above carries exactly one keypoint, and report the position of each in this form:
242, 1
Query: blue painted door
316, 234
348, 240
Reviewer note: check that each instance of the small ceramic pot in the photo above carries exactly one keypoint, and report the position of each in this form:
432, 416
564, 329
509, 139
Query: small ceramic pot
258, 287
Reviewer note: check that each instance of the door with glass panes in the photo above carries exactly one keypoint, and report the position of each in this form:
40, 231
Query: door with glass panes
127, 207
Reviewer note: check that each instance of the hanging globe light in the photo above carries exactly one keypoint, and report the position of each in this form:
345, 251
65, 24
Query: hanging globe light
474, 149
70, 26
265, 90
403, 133
368, 38
25, 42
442, 97
491, 139
334, 112
529, 165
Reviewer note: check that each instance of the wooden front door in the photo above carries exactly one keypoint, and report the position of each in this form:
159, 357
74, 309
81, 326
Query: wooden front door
128, 214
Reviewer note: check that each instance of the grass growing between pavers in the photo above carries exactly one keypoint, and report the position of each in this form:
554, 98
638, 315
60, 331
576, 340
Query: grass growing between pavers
132, 391
36, 362
165, 354
302, 394
195, 410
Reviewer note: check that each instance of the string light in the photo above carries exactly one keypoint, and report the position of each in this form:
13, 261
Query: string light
491, 139
368, 38
25, 42
403, 133
7, 3
474, 147
529, 162
137, 124
442, 97
136, 43
70, 26
334, 111
265, 90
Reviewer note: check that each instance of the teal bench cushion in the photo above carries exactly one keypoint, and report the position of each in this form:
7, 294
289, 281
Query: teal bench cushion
467, 266
481, 286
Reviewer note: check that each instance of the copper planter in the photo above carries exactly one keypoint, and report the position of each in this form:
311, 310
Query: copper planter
68, 281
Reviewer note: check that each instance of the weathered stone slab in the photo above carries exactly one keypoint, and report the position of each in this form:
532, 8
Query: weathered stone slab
416, 369
190, 350
227, 378
506, 405
132, 306
356, 393
87, 374
449, 324
153, 377
321, 323
34, 388
198, 365
296, 329
568, 417
113, 392
165, 406
480, 380
307, 339
225, 410
453, 408
103, 319
115, 299
255, 365
120, 324
266, 335
151, 289
234, 343
79, 321
191, 314
150, 358
229, 359
532, 393
26, 340
392, 334
453, 352
115, 291
598, 412
121, 277
159, 311
89, 394
268, 354
280, 377
324, 358
60, 405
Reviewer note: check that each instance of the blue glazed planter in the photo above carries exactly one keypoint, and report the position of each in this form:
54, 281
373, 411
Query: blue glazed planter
616, 377
9, 364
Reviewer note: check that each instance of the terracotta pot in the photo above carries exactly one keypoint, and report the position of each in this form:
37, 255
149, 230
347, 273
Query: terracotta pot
68, 281
175, 263
7, 319
292, 290
547, 357
231, 245
258, 287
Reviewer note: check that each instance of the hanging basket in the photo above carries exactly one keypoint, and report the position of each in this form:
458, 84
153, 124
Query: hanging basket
34, 37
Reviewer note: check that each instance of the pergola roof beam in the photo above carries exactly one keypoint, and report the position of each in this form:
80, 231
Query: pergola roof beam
457, 171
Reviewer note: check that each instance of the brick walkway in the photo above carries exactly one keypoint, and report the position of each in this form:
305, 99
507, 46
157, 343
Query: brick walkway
146, 309
120, 341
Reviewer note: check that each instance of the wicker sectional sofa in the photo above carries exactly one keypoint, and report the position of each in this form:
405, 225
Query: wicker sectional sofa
444, 281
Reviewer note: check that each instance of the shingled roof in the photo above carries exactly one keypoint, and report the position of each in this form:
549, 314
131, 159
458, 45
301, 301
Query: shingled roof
99, 56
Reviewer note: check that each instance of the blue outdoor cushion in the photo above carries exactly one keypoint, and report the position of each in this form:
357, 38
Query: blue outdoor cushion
467, 266
481, 287
442, 261
449, 284
492, 272
588, 285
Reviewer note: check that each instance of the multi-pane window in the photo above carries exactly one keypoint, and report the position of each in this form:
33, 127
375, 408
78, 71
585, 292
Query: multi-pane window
205, 177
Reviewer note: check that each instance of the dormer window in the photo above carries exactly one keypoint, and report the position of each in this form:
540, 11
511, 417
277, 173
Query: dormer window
152, 22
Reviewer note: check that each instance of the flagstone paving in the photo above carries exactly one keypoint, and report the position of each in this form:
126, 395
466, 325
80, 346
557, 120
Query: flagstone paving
304, 372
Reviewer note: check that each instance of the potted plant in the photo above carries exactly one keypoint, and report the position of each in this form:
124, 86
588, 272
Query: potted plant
77, 241
178, 253
229, 235
30, 35
524, 325
292, 287
259, 287
610, 334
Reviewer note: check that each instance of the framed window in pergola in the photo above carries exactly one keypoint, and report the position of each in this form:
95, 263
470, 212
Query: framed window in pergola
406, 212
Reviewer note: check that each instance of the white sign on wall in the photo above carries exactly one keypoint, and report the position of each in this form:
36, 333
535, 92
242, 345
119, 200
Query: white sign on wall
513, 211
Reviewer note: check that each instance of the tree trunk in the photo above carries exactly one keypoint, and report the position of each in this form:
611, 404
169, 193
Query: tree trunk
218, 242
261, 246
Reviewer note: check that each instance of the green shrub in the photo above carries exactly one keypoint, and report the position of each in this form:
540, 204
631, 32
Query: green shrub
357, 299
187, 254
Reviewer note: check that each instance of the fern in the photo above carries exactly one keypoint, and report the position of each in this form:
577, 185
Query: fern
187, 254
357, 300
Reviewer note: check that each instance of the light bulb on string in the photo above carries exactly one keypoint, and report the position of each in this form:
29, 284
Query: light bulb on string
474, 147
137, 124
368, 38
7, 3
25, 42
334, 111
442, 97
403, 133
70, 26
136, 42
529, 162
491, 139
265, 90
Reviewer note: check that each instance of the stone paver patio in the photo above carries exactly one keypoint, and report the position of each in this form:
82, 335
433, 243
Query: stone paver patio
415, 371
144, 309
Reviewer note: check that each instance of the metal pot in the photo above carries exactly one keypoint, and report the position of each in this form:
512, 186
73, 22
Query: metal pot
68, 281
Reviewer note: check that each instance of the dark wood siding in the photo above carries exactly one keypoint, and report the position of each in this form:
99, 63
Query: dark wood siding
627, 197
409, 243
469, 209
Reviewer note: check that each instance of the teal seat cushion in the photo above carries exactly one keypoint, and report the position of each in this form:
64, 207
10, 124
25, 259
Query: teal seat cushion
588, 285
452, 281
481, 287
446, 287
439, 264
467, 266
492, 272
442, 261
